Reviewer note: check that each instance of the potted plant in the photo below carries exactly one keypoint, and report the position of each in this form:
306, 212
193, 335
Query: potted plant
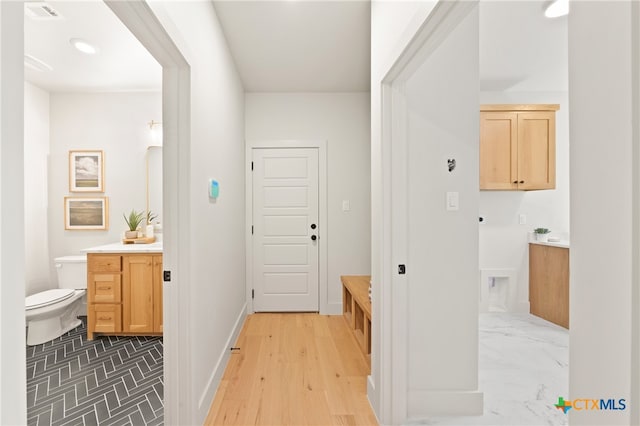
133, 222
542, 234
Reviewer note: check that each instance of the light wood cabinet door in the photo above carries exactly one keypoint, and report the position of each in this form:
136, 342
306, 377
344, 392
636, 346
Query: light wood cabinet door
137, 300
498, 150
157, 293
517, 147
104, 287
536, 150
104, 318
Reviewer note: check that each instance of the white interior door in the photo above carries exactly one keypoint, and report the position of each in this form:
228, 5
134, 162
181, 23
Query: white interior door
285, 229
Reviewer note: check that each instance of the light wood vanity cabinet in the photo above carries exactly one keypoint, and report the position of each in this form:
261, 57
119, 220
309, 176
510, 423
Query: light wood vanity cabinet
518, 147
124, 294
549, 283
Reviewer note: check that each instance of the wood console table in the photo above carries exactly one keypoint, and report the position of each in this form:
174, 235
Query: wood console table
356, 308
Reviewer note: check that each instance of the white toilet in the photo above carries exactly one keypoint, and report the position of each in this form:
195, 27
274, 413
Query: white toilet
52, 313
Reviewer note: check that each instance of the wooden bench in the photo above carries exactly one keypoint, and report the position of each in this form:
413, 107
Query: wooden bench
356, 308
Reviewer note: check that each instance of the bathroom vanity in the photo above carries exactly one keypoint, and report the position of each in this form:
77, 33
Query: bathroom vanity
549, 281
124, 286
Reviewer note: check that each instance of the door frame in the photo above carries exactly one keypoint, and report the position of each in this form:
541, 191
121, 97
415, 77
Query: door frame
321, 145
146, 26
392, 349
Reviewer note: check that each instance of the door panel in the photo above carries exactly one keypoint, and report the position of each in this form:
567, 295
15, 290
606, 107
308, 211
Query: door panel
289, 226
285, 206
536, 145
286, 197
291, 283
498, 150
137, 300
286, 255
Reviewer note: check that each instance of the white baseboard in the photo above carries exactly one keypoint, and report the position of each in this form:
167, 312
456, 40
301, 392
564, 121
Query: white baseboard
372, 396
216, 376
333, 309
423, 404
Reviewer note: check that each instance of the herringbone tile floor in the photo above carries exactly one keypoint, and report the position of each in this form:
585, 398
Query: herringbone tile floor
107, 381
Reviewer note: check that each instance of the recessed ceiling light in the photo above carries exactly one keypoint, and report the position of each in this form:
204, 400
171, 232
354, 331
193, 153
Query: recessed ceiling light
557, 8
83, 46
36, 64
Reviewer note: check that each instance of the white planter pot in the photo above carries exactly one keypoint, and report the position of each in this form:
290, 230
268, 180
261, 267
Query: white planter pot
543, 238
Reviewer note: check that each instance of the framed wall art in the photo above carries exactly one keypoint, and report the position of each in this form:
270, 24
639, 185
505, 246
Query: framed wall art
86, 171
86, 213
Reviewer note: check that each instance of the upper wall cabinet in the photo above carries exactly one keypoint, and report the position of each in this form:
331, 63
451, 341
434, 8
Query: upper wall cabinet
518, 147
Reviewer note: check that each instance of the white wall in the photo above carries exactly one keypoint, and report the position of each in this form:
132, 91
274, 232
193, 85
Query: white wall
36, 154
342, 119
442, 246
603, 92
393, 24
13, 400
216, 238
115, 123
503, 241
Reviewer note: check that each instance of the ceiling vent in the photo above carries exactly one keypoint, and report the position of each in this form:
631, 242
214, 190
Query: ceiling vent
41, 11
36, 64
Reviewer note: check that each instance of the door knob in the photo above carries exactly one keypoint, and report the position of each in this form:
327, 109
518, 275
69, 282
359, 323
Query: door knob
313, 226
313, 238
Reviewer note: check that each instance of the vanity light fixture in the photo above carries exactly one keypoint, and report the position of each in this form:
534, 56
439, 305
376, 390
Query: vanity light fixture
557, 8
83, 46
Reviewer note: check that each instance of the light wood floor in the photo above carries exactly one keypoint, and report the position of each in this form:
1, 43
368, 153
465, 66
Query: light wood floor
294, 369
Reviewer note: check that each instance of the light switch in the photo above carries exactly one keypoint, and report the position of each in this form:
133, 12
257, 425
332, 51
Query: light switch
453, 201
346, 206
522, 219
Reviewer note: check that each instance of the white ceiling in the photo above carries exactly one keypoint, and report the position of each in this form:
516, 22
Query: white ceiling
288, 46
122, 63
520, 49
299, 46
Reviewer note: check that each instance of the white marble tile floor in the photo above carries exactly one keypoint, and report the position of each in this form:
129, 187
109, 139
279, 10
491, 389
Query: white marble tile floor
523, 369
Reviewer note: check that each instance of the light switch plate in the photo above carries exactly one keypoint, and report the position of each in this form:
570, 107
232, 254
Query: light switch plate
346, 205
453, 201
522, 219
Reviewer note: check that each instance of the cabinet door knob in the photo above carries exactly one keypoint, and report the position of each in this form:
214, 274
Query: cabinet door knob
515, 181
521, 181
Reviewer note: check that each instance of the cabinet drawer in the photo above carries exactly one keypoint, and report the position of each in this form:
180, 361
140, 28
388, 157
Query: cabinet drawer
106, 318
105, 288
104, 263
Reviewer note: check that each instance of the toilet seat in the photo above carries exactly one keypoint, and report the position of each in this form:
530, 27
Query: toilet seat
48, 297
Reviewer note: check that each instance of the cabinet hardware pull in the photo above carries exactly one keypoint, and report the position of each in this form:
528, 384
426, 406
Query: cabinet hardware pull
515, 181
104, 318
104, 288
521, 181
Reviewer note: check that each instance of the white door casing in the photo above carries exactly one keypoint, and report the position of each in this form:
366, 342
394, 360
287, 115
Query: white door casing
285, 229
399, 399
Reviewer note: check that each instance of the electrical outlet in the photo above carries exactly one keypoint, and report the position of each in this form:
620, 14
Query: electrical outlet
522, 219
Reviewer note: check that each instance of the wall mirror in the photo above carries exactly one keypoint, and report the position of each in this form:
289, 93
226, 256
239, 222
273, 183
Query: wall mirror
154, 182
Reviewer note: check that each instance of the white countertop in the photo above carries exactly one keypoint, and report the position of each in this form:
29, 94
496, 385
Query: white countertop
561, 243
126, 248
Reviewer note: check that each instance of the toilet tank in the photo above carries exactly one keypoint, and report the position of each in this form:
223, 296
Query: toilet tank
72, 271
